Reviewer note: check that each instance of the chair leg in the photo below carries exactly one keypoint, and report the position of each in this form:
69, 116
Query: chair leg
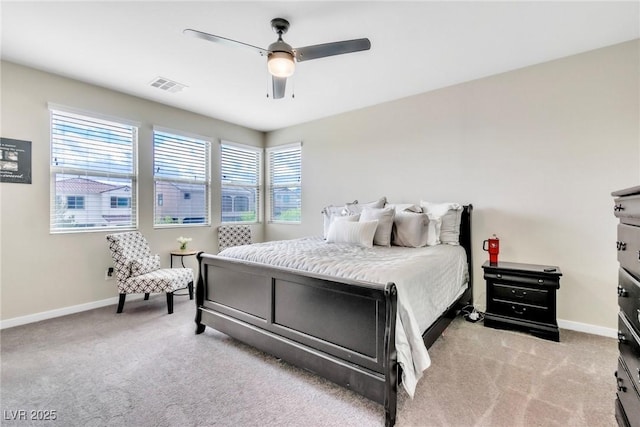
190, 285
146, 296
121, 303
170, 302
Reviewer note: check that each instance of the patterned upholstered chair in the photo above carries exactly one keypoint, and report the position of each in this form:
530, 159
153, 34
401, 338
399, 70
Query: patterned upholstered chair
137, 271
233, 235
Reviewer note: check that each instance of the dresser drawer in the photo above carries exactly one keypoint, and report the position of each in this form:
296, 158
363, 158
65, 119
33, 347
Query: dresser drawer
628, 209
520, 294
521, 311
629, 347
628, 395
628, 246
629, 298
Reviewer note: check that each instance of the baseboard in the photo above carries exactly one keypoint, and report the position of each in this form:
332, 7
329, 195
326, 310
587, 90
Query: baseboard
586, 328
37, 317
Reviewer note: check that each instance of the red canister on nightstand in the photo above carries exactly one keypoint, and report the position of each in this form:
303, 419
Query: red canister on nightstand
492, 246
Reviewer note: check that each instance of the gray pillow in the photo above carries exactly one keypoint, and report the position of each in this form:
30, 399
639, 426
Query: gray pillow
451, 216
355, 207
410, 229
385, 223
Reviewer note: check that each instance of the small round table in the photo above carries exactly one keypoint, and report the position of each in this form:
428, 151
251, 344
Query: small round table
182, 254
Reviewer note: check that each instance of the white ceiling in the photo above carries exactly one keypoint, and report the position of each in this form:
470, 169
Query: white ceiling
416, 47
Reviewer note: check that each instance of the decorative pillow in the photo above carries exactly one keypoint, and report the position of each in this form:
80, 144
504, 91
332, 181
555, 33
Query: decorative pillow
385, 223
328, 213
145, 265
410, 229
451, 215
433, 232
359, 233
355, 207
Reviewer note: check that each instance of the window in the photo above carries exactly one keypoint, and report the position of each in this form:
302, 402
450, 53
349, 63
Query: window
285, 183
181, 179
120, 202
93, 162
240, 168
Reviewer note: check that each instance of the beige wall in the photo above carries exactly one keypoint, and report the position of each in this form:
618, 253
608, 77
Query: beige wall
537, 151
42, 272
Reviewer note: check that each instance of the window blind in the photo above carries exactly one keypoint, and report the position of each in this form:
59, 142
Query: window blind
240, 168
181, 179
285, 183
92, 161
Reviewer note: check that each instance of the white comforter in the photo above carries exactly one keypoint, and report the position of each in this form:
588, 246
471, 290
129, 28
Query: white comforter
428, 280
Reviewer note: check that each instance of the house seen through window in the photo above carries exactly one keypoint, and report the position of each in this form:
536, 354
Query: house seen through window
181, 179
241, 182
93, 173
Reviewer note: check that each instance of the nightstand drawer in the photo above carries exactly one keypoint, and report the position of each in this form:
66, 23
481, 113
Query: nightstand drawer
525, 280
628, 395
629, 347
627, 209
520, 294
521, 311
628, 246
629, 298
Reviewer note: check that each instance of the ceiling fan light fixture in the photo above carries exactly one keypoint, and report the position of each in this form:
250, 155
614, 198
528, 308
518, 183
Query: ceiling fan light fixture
281, 64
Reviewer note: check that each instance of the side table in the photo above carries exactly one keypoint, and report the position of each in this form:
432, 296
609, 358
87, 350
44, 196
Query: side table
523, 297
181, 254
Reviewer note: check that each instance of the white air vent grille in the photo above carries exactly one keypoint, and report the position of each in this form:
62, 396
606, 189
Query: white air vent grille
167, 85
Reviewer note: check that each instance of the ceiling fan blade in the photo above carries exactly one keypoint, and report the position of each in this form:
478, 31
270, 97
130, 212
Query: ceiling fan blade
279, 85
223, 40
329, 49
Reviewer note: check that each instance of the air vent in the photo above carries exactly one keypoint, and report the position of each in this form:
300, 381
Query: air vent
167, 85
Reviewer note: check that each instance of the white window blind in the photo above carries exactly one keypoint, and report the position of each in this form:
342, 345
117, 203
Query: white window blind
93, 161
240, 168
285, 183
181, 180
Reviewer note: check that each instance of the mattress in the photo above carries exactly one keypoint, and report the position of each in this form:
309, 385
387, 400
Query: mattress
428, 280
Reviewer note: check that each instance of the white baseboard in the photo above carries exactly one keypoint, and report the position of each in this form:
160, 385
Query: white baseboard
589, 329
37, 317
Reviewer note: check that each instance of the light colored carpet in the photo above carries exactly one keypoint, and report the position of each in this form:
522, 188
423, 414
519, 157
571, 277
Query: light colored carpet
146, 368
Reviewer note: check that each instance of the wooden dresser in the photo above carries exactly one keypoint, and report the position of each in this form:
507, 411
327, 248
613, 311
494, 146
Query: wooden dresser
627, 209
523, 297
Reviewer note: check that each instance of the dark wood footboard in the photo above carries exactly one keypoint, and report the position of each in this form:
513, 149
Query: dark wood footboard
343, 331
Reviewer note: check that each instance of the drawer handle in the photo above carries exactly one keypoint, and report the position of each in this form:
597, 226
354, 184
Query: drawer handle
620, 387
622, 293
638, 312
521, 294
621, 338
542, 280
638, 375
515, 310
618, 207
499, 276
622, 246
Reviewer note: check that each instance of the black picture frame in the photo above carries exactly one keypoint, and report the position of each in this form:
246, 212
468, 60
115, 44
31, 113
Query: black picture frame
15, 161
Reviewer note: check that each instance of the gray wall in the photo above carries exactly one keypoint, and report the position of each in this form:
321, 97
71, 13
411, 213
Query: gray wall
41, 271
537, 151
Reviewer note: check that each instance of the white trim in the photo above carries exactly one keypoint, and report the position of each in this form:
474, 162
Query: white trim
182, 133
45, 315
82, 112
587, 328
284, 147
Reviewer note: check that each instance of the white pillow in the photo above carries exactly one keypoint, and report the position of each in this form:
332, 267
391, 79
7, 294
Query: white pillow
359, 233
355, 207
433, 232
451, 216
385, 223
328, 212
410, 229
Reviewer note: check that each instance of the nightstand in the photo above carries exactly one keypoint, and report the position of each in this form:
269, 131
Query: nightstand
522, 297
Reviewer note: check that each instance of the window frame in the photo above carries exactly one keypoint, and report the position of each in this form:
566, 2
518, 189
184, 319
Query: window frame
159, 199
271, 187
258, 187
63, 142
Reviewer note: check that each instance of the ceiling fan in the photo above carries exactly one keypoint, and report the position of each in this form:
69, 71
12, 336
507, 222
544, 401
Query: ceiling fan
281, 57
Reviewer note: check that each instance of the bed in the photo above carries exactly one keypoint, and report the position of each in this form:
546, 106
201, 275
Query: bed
349, 325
